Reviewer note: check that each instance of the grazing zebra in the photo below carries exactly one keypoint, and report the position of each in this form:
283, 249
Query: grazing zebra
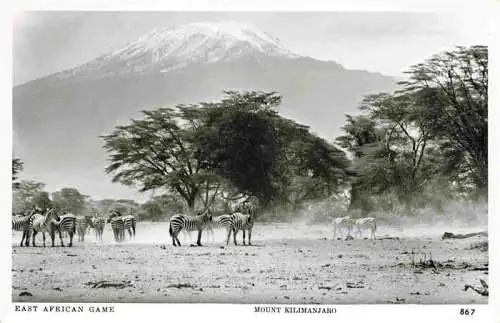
129, 224
98, 224
243, 222
366, 223
82, 224
342, 223
23, 223
66, 223
178, 222
117, 227
42, 223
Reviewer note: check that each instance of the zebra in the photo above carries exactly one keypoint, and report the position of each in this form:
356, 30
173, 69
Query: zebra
42, 223
221, 221
129, 224
98, 224
65, 223
82, 224
366, 223
243, 222
117, 227
23, 223
178, 222
342, 223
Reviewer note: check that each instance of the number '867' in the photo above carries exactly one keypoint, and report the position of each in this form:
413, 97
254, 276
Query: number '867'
467, 311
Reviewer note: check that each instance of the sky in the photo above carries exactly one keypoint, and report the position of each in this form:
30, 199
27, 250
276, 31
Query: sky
385, 42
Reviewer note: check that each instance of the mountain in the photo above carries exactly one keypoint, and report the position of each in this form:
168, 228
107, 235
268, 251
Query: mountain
57, 119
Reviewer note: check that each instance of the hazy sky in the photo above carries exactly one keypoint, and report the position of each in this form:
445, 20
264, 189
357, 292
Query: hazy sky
386, 42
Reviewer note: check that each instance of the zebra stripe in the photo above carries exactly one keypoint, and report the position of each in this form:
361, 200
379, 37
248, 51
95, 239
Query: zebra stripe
23, 223
118, 228
179, 222
129, 224
221, 221
82, 224
98, 223
243, 222
66, 223
42, 223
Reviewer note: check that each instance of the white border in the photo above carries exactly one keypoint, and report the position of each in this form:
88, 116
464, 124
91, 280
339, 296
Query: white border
170, 312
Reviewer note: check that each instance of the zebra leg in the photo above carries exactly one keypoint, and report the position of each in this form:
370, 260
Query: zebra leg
61, 239
250, 236
198, 242
70, 239
176, 237
234, 237
23, 238
43, 235
228, 236
243, 237
34, 236
52, 237
28, 235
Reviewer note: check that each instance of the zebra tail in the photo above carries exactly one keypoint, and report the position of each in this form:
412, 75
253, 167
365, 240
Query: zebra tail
170, 229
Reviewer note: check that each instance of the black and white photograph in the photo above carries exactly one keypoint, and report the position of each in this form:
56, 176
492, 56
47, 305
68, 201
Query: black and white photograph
305, 158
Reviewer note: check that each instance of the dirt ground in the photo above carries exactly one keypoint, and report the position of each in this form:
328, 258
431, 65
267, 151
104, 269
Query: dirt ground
289, 264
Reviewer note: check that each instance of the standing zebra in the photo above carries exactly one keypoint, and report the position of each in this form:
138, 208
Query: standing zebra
23, 223
42, 223
65, 223
221, 221
178, 222
129, 224
98, 224
82, 224
117, 227
366, 223
342, 223
243, 222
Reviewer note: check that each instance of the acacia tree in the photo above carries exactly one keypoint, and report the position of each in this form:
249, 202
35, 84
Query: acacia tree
209, 150
263, 155
361, 137
404, 146
452, 89
157, 152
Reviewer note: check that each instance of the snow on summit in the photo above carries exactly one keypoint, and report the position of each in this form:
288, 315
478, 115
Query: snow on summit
172, 48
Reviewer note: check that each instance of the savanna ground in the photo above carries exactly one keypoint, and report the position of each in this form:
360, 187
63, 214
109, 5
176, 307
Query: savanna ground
289, 263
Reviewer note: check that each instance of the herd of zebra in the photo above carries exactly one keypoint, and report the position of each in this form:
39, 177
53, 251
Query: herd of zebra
241, 220
48, 221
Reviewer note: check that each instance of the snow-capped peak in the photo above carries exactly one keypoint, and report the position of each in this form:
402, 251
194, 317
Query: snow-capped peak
229, 33
172, 48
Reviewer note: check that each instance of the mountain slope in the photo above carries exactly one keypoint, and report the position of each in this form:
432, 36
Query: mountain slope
57, 119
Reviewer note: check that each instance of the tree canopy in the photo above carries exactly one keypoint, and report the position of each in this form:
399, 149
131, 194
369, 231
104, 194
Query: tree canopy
431, 134
238, 144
